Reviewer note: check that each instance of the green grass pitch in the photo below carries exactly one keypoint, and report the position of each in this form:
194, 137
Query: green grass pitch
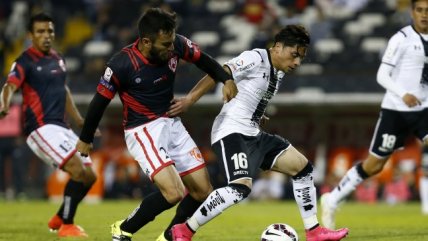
26, 221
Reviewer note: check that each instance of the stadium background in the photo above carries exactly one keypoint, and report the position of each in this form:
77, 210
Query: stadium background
327, 108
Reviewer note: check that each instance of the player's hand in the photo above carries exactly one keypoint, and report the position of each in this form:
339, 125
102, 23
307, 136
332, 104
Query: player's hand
411, 100
84, 148
229, 90
179, 106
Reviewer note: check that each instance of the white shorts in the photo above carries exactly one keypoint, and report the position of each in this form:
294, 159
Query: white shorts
163, 142
55, 145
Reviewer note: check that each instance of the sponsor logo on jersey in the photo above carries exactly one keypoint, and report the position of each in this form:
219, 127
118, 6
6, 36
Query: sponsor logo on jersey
162, 78
107, 74
246, 67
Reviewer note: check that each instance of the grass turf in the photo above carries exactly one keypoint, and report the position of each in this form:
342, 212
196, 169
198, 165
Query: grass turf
27, 221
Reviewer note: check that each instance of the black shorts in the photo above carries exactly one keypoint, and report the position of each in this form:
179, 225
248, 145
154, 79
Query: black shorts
241, 156
393, 127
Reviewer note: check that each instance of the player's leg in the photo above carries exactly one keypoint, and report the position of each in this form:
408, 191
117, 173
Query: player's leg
171, 192
148, 144
199, 187
423, 182
293, 163
55, 145
237, 165
422, 133
389, 135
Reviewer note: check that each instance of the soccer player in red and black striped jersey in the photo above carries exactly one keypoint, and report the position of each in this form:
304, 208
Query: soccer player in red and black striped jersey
143, 75
40, 73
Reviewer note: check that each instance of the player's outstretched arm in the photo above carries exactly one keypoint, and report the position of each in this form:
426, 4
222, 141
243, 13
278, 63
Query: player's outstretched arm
93, 117
6, 97
181, 105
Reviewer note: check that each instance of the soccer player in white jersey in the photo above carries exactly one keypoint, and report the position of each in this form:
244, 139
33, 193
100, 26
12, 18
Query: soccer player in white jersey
243, 147
404, 109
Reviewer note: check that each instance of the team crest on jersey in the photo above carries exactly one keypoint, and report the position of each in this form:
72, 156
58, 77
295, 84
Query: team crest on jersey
172, 64
62, 65
196, 153
107, 74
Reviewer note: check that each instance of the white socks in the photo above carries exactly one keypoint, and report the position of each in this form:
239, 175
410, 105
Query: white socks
346, 186
423, 192
306, 198
218, 201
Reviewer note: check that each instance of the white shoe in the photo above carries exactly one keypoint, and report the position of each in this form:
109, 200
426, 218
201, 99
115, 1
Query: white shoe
328, 213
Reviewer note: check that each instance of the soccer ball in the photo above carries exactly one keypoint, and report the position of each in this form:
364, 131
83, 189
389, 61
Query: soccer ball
279, 232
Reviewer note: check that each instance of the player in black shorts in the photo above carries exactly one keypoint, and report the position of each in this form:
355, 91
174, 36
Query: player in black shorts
404, 109
242, 147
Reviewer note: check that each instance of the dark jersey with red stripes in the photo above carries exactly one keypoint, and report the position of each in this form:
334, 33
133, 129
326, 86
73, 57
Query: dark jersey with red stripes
145, 90
42, 81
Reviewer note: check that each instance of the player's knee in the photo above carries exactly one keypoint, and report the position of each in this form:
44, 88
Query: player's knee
89, 177
201, 195
242, 189
306, 171
173, 196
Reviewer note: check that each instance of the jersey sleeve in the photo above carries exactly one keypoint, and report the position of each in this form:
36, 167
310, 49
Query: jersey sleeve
110, 80
16, 75
394, 49
242, 65
186, 49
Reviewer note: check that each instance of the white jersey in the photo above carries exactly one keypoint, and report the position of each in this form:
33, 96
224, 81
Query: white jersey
257, 81
405, 52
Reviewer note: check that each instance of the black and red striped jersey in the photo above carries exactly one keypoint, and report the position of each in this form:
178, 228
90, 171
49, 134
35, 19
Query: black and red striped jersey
42, 81
145, 89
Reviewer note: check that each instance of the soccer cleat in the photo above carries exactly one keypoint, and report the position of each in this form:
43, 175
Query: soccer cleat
324, 234
180, 232
118, 234
161, 237
328, 213
54, 223
71, 230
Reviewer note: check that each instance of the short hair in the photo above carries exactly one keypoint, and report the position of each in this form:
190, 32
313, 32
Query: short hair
40, 17
155, 20
292, 35
414, 2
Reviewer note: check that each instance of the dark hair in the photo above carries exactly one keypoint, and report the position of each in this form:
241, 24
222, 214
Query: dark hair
40, 17
292, 35
155, 20
414, 2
